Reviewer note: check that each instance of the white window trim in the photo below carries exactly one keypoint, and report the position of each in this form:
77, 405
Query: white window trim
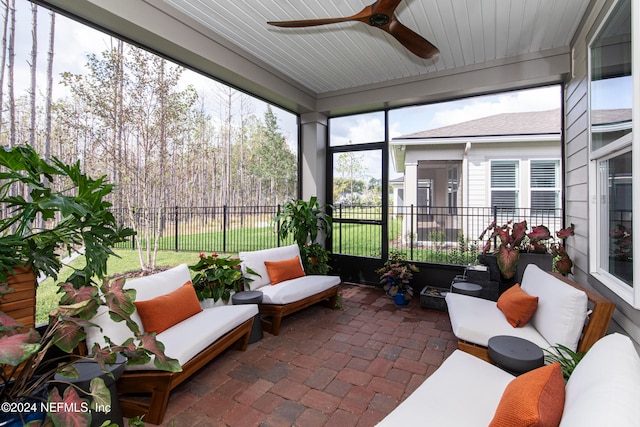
630, 141
557, 190
627, 293
517, 188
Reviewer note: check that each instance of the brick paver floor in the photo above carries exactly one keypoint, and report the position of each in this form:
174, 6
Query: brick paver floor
342, 368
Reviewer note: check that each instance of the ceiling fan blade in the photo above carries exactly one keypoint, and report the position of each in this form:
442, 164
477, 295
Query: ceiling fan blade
309, 22
411, 40
381, 15
385, 7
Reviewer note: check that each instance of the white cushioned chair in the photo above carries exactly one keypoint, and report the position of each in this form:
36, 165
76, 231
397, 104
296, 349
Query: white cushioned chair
604, 390
289, 296
560, 318
194, 342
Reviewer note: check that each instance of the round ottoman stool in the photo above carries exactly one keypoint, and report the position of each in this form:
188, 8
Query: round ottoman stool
515, 355
250, 297
466, 288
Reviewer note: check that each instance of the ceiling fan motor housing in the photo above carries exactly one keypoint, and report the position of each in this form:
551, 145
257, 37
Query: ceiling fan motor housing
379, 20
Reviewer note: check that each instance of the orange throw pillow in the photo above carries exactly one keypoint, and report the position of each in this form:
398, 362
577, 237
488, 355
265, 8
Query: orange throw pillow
288, 269
534, 399
161, 313
517, 306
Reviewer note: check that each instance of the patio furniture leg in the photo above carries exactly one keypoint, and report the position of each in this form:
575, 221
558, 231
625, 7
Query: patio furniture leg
160, 388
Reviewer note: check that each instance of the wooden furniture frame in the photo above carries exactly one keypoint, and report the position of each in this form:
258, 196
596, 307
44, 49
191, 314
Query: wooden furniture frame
272, 314
160, 383
595, 327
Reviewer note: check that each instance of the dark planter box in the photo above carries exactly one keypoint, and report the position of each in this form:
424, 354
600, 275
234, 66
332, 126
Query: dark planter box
433, 298
544, 261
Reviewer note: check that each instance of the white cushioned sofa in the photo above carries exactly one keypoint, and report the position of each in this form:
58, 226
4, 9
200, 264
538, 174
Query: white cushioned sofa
566, 314
289, 296
604, 390
193, 341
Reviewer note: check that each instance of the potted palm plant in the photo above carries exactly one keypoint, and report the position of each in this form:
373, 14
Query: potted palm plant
39, 225
307, 223
396, 275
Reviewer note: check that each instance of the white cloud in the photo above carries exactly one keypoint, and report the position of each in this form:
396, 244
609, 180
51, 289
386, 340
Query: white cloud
474, 108
357, 129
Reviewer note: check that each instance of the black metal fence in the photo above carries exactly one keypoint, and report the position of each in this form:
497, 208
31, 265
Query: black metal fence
227, 229
451, 235
426, 234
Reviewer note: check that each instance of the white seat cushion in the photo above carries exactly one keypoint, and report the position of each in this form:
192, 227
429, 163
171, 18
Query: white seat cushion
255, 260
604, 389
181, 341
189, 337
475, 320
296, 289
562, 309
463, 391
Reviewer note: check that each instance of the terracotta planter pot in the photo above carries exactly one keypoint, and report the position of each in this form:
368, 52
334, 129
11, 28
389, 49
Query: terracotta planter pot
21, 303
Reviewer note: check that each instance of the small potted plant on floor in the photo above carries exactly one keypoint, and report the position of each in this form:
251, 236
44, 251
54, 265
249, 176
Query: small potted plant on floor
396, 275
217, 278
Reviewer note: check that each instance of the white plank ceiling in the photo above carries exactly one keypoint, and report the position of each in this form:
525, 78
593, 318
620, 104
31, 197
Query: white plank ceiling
348, 55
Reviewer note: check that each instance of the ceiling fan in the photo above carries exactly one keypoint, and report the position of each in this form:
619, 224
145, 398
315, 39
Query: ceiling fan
380, 15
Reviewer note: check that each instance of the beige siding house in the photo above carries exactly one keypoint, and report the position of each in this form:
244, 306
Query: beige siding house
509, 160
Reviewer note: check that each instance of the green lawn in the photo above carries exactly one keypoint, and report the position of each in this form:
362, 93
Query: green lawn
47, 298
235, 240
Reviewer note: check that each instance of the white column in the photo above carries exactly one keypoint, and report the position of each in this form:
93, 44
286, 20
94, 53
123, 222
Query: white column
313, 130
410, 198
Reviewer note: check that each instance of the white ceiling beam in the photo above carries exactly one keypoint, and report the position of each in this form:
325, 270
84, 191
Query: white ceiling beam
529, 70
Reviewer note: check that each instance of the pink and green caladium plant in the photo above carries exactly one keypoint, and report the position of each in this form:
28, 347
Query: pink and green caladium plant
26, 370
513, 239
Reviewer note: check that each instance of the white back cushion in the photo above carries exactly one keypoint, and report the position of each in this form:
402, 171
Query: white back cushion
255, 260
147, 288
604, 389
562, 309
155, 285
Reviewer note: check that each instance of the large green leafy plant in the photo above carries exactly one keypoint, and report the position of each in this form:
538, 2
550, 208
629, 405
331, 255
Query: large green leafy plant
306, 222
303, 220
39, 226
513, 239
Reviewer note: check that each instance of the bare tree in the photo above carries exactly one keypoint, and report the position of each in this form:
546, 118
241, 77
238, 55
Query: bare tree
12, 54
3, 61
49, 99
33, 66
